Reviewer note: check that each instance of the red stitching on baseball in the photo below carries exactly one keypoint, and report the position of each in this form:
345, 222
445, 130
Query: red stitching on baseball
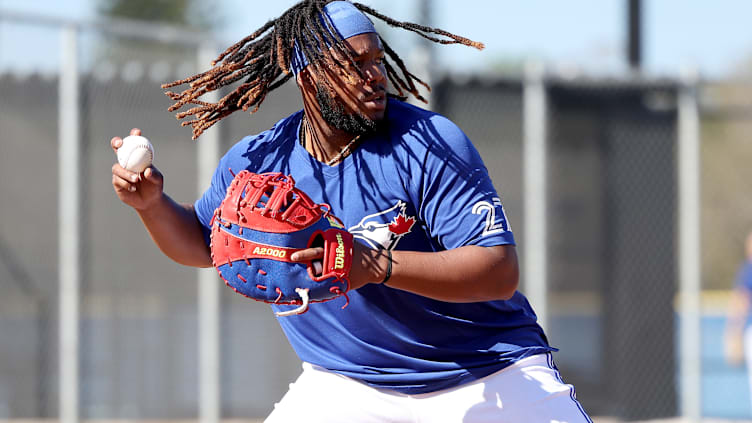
242, 278
261, 287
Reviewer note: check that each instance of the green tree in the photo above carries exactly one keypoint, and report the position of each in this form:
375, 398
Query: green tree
192, 15
189, 13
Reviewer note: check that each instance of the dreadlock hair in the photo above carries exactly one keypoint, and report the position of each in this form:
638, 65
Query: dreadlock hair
263, 58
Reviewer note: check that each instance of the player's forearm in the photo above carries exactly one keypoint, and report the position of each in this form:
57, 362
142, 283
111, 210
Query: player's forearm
465, 274
738, 310
177, 232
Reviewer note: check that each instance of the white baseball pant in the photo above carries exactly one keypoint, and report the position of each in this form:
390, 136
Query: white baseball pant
530, 391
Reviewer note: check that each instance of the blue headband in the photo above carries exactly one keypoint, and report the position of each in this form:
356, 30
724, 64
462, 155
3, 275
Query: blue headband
346, 19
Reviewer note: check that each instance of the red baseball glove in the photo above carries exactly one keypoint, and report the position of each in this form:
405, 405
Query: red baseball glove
261, 222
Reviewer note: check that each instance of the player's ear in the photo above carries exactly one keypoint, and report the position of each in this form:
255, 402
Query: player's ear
306, 83
304, 79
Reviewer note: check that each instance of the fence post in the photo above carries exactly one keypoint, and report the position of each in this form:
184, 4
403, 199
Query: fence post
423, 54
535, 252
208, 283
69, 209
689, 247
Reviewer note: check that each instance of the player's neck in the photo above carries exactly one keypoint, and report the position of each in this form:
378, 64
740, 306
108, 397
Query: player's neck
324, 142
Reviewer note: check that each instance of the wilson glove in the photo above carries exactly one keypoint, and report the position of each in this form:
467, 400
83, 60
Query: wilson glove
261, 222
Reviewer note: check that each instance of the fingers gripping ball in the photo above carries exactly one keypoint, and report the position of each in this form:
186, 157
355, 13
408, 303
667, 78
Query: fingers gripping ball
136, 153
261, 222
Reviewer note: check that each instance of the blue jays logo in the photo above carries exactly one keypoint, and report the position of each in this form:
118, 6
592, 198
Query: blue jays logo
384, 229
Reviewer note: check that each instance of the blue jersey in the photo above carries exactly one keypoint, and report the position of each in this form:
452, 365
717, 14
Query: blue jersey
744, 276
418, 185
744, 282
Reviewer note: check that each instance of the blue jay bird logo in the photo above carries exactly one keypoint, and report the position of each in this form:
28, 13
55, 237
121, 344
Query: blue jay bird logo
384, 229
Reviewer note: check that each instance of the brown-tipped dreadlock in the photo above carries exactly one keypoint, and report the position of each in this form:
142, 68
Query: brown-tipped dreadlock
264, 60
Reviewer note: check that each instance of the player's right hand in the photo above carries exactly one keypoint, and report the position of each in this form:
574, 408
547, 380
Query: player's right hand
139, 191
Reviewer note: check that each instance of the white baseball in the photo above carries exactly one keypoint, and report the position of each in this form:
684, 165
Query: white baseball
136, 153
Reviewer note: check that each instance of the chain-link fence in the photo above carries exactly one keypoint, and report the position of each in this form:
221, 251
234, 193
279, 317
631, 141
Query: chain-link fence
726, 153
138, 310
611, 255
611, 211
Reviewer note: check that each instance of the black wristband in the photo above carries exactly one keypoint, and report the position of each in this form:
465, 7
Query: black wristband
388, 267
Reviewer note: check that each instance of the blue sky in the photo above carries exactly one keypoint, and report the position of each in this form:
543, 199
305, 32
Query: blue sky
715, 37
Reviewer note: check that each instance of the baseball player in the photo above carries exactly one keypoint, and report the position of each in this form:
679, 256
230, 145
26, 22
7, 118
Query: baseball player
738, 331
435, 329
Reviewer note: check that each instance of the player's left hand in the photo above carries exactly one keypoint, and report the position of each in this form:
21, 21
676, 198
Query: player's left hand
263, 221
368, 265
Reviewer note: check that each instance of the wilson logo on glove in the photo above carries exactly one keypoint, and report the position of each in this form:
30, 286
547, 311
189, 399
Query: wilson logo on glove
339, 259
261, 222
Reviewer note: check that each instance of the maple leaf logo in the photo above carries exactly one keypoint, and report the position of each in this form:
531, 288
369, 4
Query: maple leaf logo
401, 224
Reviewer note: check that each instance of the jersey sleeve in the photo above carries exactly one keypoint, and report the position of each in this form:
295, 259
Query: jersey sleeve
459, 203
744, 277
213, 196
250, 153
